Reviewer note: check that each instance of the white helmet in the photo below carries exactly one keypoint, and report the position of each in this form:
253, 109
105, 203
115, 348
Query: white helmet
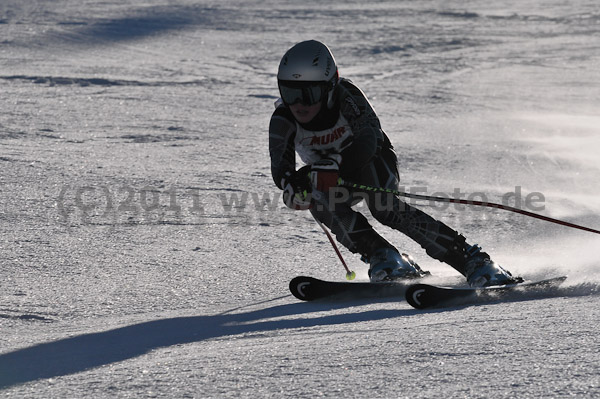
307, 73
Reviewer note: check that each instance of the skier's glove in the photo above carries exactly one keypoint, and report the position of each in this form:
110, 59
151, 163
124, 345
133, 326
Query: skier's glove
296, 189
325, 172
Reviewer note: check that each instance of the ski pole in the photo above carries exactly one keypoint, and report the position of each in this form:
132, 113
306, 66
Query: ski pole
350, 275
464, 202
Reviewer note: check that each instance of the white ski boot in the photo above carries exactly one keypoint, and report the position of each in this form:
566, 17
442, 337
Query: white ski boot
483, 272
387, 265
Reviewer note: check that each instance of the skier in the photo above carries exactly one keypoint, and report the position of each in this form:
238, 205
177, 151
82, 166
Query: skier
330, 123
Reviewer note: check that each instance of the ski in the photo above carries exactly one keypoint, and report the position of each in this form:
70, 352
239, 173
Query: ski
309, 289
422, 296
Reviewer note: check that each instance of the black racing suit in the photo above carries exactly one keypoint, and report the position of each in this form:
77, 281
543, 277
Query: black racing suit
349, 127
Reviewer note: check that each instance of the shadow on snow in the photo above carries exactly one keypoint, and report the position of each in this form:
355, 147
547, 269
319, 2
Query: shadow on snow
76, 354
83, 352
152, 21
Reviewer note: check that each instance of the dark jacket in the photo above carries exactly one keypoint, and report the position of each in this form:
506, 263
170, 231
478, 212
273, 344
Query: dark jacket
349, 127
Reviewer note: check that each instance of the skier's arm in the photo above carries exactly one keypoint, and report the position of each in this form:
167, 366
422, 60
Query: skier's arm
282, 131
368, 136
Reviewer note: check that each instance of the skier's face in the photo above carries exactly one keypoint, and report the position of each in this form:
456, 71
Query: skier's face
305, 113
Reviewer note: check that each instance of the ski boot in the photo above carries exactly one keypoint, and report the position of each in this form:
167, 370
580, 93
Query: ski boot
386, 264
483, 272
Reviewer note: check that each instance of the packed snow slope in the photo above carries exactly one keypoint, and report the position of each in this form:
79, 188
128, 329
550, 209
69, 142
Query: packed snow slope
145, 251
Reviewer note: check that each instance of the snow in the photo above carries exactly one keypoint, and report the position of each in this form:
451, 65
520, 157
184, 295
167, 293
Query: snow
145, 251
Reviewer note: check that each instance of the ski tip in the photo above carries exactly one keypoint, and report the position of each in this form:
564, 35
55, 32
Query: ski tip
416, 296
300, 287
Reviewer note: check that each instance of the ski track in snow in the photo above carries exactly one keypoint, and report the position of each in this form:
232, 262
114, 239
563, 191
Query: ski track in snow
145, 251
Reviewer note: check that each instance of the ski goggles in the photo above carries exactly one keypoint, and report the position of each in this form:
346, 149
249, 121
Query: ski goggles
307, 93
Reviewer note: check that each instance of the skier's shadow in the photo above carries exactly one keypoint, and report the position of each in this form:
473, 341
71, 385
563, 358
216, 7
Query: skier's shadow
79, 353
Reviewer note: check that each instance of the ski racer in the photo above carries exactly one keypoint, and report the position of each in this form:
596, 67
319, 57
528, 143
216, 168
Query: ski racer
330, 124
